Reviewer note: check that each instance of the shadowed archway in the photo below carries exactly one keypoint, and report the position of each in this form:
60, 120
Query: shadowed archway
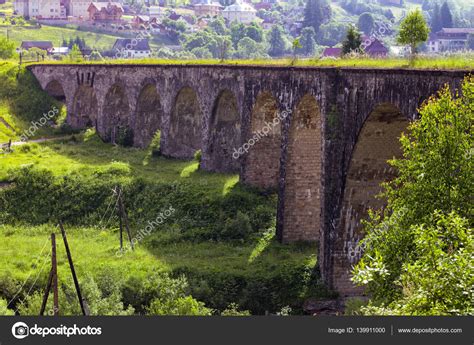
377, 142
225, 133
116, 116
148, 116
84, 110
55, 89
185, 136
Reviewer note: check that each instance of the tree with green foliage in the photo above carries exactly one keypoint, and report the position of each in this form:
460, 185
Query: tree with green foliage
446, 16
254, 31
314, 14
295, 45
276, 41
417, 256
7, 48
249, 49
237, 32
352, 42
366, 23
75, 53
218, 25
331, 33
308, 43
413, 31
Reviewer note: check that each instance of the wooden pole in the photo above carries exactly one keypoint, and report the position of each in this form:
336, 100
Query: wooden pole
121, 228
55, 276
125, 218
73, 271
46, 292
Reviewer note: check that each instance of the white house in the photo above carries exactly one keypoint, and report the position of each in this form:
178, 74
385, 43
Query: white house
449, 39
52, 9
240, 11
127, 48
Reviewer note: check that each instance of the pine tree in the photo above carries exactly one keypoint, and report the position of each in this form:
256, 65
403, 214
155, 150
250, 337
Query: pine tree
353, 41
307, 41
313, 14
276, 41
446, 16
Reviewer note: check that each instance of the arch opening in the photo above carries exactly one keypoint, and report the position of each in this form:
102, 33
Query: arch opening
185, 136
55, 89
302, 212
116, 117
377, 142
148, 116
263, 161
84, 108
225, 133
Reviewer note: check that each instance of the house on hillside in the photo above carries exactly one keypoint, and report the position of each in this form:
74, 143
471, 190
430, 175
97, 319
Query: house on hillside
45, 9
449, 39
332, 52
141, 21
43, 45
207, 8
105, 12
373, 47
127, 48
240, 12
155, 11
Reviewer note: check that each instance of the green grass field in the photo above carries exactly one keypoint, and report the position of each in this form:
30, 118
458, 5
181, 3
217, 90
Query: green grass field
58, 34
219, 272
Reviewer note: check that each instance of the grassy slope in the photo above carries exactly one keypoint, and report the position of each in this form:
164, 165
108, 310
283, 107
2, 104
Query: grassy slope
251, 262
21, 101
57, 34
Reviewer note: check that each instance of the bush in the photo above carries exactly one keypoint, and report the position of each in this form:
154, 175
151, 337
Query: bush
238, 228
180, 306
4, 311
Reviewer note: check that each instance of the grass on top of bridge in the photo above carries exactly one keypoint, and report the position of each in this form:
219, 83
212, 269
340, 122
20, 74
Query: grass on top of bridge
462, 61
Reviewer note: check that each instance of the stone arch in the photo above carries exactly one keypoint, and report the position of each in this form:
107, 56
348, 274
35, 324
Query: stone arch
224, 133
85, 109
377, 142
116, 116
302, 193
185, 134
263, 160
149, 115
55, 89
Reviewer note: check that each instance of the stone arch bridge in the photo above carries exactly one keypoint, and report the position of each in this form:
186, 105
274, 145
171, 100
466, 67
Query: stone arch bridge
320, 136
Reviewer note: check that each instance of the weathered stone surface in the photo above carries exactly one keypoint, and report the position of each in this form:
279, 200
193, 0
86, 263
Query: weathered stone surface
324, 187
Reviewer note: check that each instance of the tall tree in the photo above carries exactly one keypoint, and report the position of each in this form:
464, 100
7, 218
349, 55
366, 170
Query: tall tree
413, 31
352, 42
446, 16
307, 40
276, 41
314, 14
366, 23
